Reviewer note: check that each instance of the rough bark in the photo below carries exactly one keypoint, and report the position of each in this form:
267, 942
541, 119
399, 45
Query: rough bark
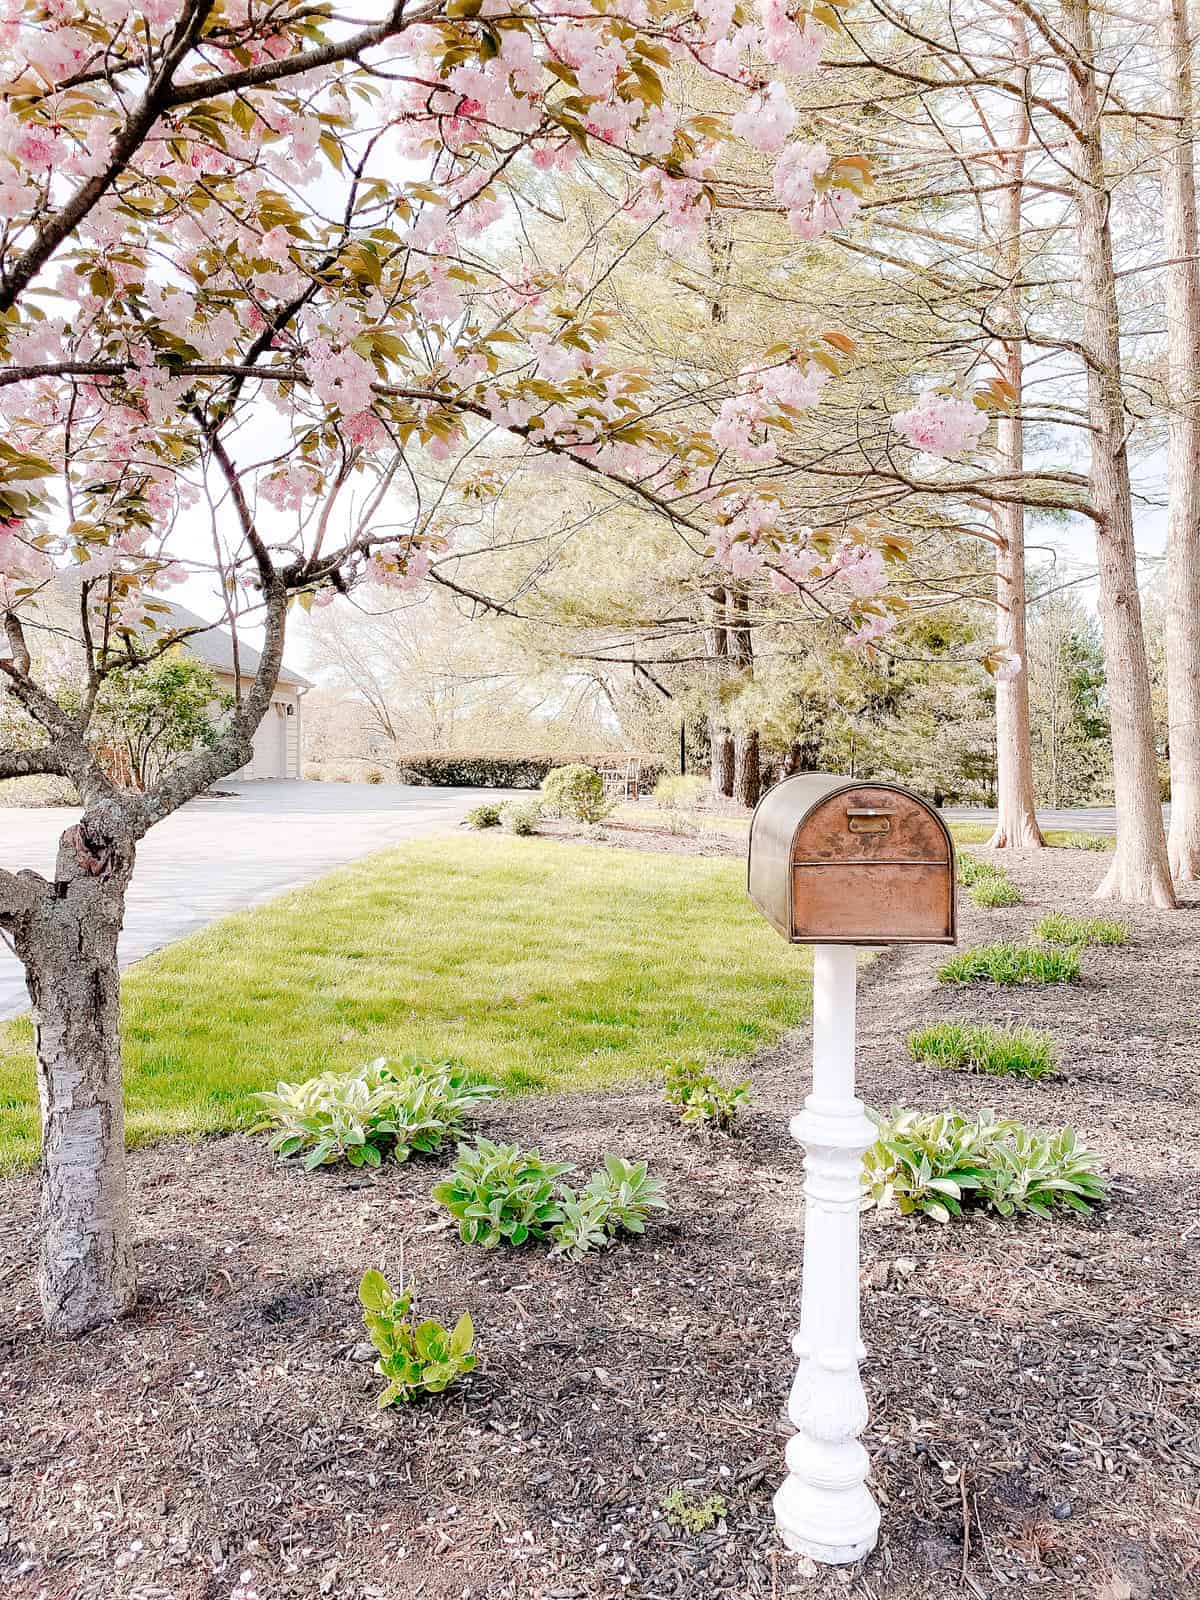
747, 773
720, 736
1140, 872
1016, 821
67, 941
1177, 177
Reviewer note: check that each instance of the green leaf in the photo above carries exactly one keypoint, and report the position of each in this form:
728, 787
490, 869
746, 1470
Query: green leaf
374, 1291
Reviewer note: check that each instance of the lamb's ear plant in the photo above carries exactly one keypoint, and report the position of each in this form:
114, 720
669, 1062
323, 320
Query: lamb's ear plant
703, 1100
501, 1194
416, 1358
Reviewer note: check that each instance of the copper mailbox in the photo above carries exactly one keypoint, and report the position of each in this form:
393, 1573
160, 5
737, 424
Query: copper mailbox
838, 861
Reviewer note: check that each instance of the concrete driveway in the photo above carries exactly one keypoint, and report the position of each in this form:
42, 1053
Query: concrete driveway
220, 855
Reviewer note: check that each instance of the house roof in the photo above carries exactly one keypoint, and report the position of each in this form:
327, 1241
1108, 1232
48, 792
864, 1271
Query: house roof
212, 644
215, 646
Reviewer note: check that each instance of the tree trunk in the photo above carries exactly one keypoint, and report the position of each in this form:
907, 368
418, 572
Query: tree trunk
720, 739
68, 944
1016, 821
1178, 181
747, 774
721, 773
1140, 872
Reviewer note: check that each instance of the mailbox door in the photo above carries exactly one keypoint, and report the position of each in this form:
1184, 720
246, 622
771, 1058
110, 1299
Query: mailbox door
872, 865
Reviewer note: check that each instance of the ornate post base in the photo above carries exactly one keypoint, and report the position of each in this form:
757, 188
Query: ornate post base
824, 1509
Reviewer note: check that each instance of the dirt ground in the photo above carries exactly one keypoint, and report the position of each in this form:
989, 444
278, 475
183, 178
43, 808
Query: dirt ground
1035, 1388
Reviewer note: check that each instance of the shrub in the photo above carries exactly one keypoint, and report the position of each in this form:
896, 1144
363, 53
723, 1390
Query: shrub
1059, 929
971, 870
618, 1199
704, 1100
996, 891
520, 816
940, 1163
484, 816
1087, 841
357, 1116
976, 1047
424, 1358
503, 1193
502, 769
374, 775
499, 1192
576, 792
693, 1516
677, 791
1011, 963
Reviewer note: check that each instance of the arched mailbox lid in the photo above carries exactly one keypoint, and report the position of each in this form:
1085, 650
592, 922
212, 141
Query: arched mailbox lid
835, 860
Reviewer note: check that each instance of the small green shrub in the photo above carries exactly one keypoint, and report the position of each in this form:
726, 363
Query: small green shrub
1060, 929
1011, 963
576, 792
415, 1357
940, 1163
520, 816
977, 1047
704, 1101
995, 891
626, 1194
693, 1516
501, 1193
357, 1116
679, 792
971, 870
618, 1199
484, 816
1086, 841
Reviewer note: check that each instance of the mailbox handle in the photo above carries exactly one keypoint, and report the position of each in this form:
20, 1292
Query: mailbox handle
869, 819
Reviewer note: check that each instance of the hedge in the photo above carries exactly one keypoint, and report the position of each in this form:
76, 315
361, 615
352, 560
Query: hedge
504, 769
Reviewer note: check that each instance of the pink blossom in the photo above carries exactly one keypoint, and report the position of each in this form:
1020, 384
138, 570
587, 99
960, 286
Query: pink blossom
860, 568
767, 122
941, 425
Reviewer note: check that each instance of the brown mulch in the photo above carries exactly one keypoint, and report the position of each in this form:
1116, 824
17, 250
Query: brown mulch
1034, 1386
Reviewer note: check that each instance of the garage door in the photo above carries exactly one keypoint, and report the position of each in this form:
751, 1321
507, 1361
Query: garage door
267, 760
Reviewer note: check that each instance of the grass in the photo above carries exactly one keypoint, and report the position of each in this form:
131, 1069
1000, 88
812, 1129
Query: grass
1011, 963
1057, 838
978, 1047
1060, 929
972, 871
537, 965
996, 891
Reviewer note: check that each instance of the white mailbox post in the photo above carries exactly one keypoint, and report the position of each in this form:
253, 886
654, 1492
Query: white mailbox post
839, 864
824, 1507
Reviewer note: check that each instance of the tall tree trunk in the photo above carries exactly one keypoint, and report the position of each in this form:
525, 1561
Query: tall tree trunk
720, 737
68, 944
1178, 181
1140, 872
747, 773
1016, 819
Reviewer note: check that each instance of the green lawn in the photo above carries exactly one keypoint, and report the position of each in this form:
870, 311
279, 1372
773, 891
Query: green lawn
540, 965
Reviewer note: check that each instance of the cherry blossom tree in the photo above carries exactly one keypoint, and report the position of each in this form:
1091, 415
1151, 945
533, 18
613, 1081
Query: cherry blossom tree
265, 319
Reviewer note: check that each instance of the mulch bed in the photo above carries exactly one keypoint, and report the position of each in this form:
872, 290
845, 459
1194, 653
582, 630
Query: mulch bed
1034, 1387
